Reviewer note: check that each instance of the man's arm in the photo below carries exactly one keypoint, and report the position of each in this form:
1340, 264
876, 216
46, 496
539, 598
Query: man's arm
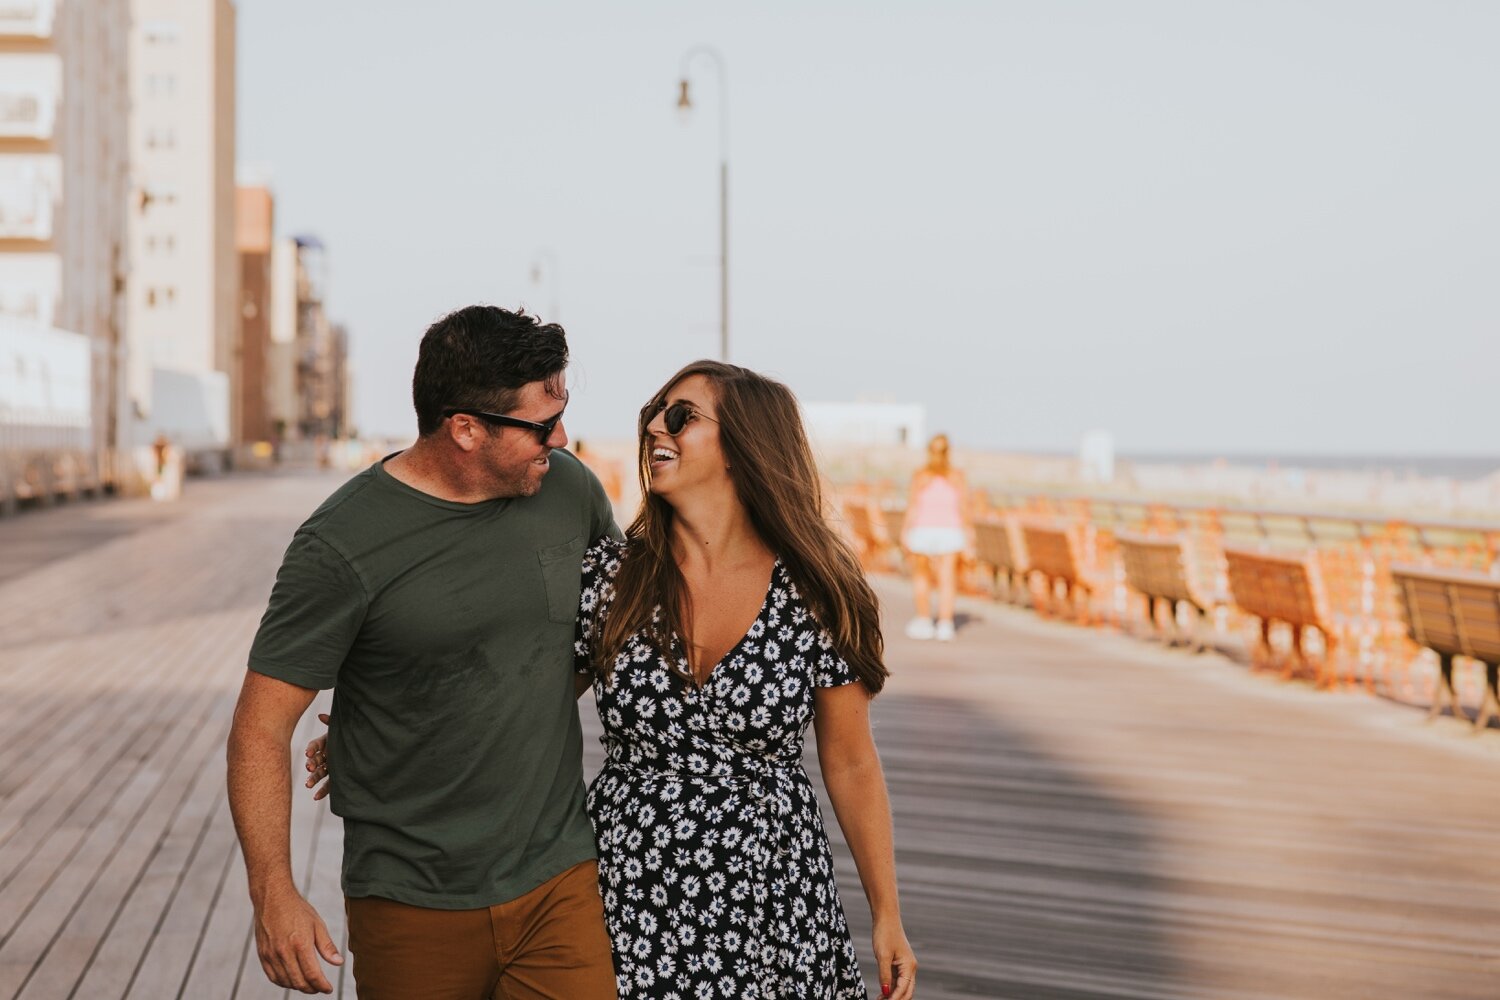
289, 934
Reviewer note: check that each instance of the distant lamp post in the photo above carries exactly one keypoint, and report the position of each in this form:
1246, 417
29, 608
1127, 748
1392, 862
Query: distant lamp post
544, 264
685, 107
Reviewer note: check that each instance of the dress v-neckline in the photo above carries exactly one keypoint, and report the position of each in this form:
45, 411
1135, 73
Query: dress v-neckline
702, 685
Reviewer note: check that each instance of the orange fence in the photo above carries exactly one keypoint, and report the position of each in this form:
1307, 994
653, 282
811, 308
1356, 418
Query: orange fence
1345, 565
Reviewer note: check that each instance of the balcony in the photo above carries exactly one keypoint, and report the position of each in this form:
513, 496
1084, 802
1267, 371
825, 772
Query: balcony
30, 286
27, 114
27, 18
29, 187
30, 89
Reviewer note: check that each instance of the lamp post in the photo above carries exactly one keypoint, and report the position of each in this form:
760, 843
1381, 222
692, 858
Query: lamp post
545, 256
685, 105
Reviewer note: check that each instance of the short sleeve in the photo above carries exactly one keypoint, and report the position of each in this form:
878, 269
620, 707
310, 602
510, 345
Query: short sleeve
600, 565
315, 613
813, 643
601, 511
830, 669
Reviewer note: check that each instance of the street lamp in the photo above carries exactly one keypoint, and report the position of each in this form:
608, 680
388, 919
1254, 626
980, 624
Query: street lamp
685, 106
545, 255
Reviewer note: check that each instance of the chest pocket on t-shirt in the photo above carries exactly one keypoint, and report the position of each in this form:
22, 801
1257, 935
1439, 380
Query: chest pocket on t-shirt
562, 572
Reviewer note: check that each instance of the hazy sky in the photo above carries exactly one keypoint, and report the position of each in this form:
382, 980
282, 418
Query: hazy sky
1204, 226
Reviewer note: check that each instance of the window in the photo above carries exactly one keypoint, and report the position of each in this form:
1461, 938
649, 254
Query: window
154, 196
18, 108
161, 31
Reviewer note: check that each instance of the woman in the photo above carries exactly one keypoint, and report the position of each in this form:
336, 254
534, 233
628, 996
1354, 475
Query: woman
731, 618
937, 529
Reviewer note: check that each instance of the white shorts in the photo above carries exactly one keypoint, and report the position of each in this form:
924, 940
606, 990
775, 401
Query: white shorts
934, 541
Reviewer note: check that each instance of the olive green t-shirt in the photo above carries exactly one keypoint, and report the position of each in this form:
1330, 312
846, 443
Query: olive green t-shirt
446, 632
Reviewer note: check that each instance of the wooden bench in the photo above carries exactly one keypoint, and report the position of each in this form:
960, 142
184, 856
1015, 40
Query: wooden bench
998, 545
861, 530
1053, 553
1286, 588
1158, 569
892, 520
1454, 613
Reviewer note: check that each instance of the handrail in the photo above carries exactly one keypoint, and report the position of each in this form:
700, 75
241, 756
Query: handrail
1236, 508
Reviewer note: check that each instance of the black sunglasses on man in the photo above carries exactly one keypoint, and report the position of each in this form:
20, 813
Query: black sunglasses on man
543, 431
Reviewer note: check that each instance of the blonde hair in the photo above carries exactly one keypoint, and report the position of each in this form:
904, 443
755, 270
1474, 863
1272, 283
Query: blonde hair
937, 455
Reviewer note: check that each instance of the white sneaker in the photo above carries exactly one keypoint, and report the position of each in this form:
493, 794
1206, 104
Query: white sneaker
945, 630
919, 628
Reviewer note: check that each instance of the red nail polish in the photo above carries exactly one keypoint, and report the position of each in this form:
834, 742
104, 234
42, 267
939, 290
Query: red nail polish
885, 989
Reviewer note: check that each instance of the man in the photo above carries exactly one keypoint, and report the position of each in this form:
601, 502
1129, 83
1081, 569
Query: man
436, 594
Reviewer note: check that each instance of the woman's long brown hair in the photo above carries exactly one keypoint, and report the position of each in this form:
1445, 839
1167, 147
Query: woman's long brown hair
776, 479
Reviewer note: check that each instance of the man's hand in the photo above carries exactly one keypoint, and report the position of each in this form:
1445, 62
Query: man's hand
289, 937
289, 934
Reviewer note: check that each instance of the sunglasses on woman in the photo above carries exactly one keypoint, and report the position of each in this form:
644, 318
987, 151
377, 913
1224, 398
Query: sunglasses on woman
677, 416
543, 430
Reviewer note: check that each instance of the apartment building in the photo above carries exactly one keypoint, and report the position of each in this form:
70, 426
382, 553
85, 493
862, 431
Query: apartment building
64, 201
183, 298
254, 236
309, 354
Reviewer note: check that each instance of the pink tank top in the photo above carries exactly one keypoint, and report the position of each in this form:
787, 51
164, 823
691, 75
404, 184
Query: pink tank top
936, 505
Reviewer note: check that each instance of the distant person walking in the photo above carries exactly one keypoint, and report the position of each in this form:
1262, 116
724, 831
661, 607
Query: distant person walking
937, 529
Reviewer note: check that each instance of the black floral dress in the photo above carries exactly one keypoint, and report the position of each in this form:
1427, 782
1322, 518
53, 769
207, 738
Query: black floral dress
713, 861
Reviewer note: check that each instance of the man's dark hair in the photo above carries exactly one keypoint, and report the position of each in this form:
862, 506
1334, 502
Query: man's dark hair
479, 357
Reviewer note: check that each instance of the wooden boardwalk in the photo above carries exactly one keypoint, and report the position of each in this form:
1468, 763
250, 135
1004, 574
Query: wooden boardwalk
1079, 814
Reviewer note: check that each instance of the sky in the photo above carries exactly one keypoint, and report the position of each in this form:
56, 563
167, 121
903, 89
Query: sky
1204, 226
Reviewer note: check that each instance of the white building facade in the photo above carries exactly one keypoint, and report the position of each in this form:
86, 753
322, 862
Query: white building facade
64, 201
182, 300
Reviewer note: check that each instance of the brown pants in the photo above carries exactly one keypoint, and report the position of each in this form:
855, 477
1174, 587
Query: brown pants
549, 944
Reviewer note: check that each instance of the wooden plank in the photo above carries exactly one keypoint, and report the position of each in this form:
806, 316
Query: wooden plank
226, 931
64, 860
1077, 815
197, 851
46, 839
51, 774
189, 583
227, 965
128, 841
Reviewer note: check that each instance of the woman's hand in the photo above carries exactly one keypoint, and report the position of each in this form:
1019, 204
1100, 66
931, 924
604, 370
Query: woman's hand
895, 961
317, 761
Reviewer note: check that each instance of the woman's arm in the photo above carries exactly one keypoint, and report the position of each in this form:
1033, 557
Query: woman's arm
317, 760
856, 786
